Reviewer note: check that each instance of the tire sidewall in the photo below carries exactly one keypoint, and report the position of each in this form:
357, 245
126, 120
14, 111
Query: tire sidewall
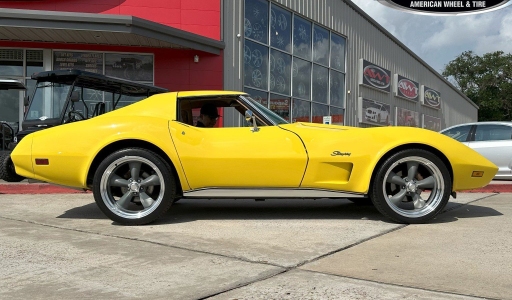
377, 194
168, 178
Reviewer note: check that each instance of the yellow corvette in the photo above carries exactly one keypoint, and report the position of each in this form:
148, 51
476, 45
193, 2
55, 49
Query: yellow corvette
140, 159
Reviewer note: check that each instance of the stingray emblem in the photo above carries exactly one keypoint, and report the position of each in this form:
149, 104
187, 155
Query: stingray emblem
338, 153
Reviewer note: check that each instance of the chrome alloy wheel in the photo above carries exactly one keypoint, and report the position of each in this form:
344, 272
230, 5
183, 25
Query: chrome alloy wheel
132, 187
413, 187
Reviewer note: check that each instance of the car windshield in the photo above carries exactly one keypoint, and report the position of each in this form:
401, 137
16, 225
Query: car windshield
277, 119
40, 106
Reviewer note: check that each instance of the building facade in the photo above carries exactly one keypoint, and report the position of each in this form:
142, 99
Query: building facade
317, 61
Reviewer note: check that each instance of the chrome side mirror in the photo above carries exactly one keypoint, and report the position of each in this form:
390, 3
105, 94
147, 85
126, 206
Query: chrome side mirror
249, 116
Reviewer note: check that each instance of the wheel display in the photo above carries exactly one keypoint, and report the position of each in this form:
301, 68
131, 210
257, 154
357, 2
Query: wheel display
7, 170
412, 186
134, 186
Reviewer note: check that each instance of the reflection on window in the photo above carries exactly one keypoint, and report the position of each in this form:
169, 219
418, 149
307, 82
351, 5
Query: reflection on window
319, 111
493, 133
280, 105
337, 115
256, 20
301, 78
258, 96
321, 45
255, 64
320, 84
337, 52
310, 67
301, 110
459, 133
280, 28
9, 102
337, 88
280, 72
34, 61
301, 38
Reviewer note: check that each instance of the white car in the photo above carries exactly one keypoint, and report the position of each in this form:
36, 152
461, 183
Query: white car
377, 113
491, 139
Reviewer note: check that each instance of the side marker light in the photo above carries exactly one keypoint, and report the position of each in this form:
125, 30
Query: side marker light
477, 174
42, 161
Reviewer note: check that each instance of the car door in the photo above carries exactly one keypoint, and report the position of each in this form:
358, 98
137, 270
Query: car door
494, 141
239, 157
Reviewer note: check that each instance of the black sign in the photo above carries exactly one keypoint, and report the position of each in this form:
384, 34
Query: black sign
446, 7
84, 61
407, 88
375, 76
431, 97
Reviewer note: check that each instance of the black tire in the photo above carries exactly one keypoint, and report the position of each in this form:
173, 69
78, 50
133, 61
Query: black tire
401, 181
7, 170
134, 186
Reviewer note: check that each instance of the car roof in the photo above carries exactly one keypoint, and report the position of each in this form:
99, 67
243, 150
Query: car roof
508, 123
99, 81
11, 84
187, 94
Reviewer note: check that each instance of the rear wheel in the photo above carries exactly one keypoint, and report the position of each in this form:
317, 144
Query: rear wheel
134, 186
411, 186
7, 170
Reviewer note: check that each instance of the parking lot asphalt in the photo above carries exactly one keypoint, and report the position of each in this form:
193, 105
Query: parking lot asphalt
60, 246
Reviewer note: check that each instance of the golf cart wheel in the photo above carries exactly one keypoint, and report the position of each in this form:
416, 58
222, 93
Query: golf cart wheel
7, 170
134, 186
412, 186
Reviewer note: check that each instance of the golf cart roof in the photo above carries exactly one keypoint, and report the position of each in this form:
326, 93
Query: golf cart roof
11, 84
100, 82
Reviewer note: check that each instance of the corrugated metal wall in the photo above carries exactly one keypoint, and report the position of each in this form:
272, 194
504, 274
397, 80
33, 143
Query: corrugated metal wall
365, 40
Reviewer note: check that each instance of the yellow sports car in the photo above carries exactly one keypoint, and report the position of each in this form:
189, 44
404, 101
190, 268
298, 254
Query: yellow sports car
141, 158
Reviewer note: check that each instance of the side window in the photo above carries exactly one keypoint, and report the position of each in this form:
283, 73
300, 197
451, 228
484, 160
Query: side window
493, 132
459, 133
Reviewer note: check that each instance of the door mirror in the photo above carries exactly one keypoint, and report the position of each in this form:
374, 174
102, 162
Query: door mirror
75, 96
250, 117
26, 100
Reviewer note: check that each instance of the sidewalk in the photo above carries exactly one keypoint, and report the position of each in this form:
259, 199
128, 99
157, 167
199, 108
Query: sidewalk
24, 187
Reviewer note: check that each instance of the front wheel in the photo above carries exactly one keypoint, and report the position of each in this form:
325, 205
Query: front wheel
412, 186
134, 186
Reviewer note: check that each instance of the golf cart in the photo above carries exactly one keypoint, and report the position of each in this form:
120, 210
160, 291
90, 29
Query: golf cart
65, 96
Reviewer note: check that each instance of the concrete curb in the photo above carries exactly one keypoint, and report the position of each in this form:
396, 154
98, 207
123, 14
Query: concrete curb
37, 188
46, 188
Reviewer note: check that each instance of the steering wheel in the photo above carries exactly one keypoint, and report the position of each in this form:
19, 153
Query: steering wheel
74, 116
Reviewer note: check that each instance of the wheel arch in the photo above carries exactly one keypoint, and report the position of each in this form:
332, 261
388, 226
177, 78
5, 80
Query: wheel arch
397, 149
131, 143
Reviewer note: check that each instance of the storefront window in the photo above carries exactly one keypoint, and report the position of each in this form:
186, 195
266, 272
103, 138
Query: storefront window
318, 113
301, 38
280, 72
136, 67
301, 110
337, 88
34, 62
280, 105
320, 84
255, 65
337, 52
321, 46
280, 28
297, 58
301, 79
11, 62
259, 96
256, 21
